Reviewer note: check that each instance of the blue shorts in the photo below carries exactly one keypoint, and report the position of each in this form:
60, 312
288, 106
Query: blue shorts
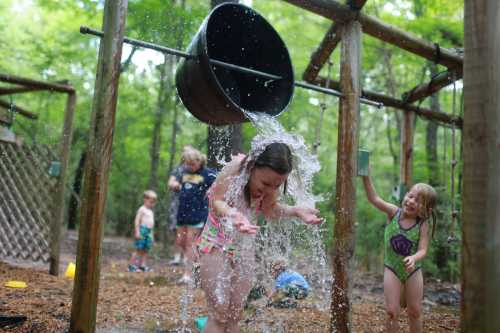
146, 240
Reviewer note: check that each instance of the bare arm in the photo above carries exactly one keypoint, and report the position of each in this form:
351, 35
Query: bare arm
137, 223
423, 245
375, 200
217, 198
173, 184
274, 210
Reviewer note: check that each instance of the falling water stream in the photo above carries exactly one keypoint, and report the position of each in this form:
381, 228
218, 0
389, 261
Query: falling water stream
298, 245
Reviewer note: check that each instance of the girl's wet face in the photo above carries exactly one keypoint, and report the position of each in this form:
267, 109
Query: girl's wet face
412, 203
265, 181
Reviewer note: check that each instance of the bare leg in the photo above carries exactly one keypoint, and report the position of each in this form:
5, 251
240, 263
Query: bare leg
180, 239
142, 255
190, 254
215, 274
134, 259
414, 295
392, 293
241, 283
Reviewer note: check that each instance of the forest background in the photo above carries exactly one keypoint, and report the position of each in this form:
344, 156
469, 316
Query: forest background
41, 40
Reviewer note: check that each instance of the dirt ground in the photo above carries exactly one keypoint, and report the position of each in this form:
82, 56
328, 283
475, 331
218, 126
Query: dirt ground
152, 302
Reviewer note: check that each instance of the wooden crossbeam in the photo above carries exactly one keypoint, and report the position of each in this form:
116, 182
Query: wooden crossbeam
322, 53
18, 90
327, 46
380, 30
36, 84
399, 104
17, 109
435, 84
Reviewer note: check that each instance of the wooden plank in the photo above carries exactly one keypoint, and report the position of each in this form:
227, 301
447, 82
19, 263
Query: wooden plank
345, 200
59, 206
399, 104
435, 84
342, 13
36, 84
97, 166
406, 152
17, 109
481, 169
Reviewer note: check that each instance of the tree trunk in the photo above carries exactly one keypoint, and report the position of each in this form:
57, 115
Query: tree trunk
221, 139
481, 187
163, 92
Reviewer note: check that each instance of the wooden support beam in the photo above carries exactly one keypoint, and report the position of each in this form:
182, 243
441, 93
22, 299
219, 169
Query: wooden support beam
327, 46
345, 199
18, 109
18, 90
401, 105
58, 207
435, 84
406, 152
356, 4
480, 221
36, 84
380, 30
97, 166
322, 53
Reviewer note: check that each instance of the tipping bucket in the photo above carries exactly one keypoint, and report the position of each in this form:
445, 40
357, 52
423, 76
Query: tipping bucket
238, 35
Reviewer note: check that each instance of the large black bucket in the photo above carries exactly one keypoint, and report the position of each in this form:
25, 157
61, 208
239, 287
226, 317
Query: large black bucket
238, 35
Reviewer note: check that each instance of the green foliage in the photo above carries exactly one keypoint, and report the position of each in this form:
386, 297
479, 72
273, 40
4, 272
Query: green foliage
41, 40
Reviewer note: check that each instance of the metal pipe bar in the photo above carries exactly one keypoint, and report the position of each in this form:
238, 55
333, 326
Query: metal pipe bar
328, 91
178, 53
163, 49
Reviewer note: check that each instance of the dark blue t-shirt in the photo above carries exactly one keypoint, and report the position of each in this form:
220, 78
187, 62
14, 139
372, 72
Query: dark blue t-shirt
193, 202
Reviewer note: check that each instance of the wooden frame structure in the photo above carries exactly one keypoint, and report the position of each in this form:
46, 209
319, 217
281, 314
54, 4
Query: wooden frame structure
349, 21
24, 85
348, 27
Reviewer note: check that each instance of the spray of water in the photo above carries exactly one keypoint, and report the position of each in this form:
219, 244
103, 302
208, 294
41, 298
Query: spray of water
300, 246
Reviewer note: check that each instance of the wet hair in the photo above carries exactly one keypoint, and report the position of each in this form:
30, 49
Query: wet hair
278, 157
190, 154
427, 196
149, 194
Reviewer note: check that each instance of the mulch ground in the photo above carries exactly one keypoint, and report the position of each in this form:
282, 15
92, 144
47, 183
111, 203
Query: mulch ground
152, 302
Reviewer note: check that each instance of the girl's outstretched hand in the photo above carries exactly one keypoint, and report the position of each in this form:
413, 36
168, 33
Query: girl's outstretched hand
242, 224
308, 215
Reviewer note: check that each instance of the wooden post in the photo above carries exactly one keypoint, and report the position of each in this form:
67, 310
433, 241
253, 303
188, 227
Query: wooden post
86, 286
406, 153
481, 181
58, 207
345, 214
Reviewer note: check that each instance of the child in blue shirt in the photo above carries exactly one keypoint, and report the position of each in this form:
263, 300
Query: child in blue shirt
287, 283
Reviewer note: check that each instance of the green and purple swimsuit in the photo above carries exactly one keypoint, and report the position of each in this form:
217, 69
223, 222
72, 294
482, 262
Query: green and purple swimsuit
400, 243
